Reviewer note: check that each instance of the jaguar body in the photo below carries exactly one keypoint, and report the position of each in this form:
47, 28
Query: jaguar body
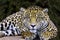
28, 23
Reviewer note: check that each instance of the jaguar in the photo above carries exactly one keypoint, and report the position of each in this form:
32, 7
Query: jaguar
28, 23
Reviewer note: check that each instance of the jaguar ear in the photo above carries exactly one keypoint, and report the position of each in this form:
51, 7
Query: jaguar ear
22, 9
45, 10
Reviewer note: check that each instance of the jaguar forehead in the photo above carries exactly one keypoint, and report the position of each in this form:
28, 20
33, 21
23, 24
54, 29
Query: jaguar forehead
33, 16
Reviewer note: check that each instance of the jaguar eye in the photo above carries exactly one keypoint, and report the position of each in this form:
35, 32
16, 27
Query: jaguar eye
27, 18
39, 17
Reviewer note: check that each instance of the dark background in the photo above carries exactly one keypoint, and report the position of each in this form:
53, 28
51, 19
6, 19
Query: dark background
8, 7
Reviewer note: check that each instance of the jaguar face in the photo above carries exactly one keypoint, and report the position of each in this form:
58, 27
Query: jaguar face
34, 18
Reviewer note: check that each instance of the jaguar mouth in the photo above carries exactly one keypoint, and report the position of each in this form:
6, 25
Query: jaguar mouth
33, 31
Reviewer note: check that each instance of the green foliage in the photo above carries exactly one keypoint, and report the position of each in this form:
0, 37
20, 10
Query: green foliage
8, 7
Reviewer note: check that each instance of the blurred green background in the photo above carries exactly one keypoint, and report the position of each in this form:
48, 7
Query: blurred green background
8, 7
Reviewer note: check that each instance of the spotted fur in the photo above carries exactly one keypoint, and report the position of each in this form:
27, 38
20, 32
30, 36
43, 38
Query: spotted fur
28, 23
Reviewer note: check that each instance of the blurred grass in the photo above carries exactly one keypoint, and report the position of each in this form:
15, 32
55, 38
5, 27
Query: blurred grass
8, 7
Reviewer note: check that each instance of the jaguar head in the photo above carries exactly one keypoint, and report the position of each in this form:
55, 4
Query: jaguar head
35, 18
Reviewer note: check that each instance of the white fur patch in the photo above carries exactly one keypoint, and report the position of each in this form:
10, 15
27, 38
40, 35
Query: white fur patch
33, 31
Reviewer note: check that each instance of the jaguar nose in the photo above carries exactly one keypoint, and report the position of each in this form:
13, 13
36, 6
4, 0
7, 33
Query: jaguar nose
33, 25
